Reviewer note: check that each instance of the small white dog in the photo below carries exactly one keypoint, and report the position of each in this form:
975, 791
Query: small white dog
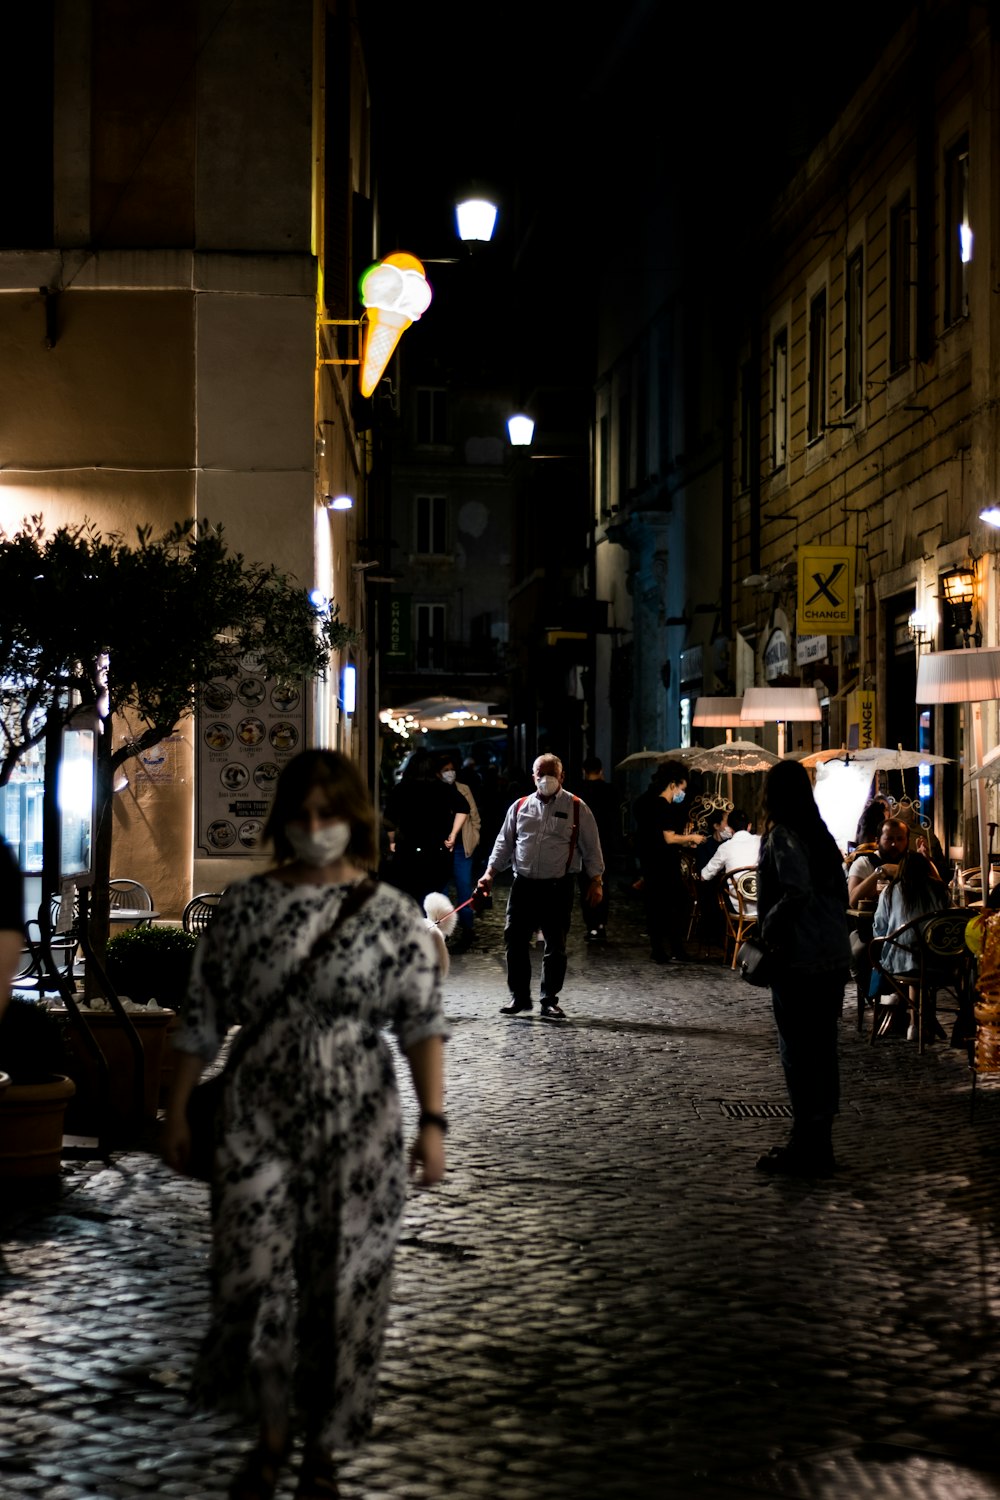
440, 920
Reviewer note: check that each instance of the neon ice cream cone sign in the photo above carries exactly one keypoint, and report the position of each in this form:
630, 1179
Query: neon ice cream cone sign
395, 293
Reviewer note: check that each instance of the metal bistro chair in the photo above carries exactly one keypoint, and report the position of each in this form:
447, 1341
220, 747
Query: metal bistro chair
131, 896
738, 888
199, 911
942, 965
63, 946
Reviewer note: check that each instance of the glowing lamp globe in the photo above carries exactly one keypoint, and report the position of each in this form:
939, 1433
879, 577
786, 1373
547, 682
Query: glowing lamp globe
521, 430
476, 219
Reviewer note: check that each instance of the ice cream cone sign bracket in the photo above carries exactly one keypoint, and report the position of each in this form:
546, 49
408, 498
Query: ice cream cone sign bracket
395, 293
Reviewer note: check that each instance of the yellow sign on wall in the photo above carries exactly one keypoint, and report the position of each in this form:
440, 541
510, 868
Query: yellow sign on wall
826, 590
860, 720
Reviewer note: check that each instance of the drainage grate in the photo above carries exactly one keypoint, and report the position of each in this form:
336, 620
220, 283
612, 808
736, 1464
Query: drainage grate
744, 1109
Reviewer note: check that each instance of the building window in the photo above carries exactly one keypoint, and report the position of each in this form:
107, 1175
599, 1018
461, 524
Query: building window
900, 286
747, 435
854, 330
624, 448
430, 636
958, 244
816, 419
603, 466
779, 399
431, 416
431, 533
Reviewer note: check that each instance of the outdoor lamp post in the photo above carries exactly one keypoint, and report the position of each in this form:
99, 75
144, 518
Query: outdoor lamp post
780, 705
722, 713
969, 676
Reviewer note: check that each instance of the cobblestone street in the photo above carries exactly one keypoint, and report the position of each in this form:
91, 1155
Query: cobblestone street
603, 1299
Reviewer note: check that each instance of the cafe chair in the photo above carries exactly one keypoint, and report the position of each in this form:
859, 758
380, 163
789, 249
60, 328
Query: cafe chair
738, 889
63, 946
941, 967
199, 911
133, 897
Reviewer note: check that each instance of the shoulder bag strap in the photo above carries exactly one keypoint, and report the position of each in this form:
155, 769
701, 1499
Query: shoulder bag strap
576, 831
352, 903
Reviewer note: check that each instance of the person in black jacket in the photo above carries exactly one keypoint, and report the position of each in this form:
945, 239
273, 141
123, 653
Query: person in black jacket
802, 919
425, 817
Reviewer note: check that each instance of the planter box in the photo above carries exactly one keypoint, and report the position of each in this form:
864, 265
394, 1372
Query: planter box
152, 1027
31, 1127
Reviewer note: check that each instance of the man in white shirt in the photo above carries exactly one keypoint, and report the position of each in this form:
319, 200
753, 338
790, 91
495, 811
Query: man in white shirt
548, 838
735, 853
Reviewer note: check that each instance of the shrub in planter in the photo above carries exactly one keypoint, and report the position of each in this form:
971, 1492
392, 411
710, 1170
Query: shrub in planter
151, 963
33, 1105
32, 1046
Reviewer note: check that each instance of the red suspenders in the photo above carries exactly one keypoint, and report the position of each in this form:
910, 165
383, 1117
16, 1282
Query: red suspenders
573, 836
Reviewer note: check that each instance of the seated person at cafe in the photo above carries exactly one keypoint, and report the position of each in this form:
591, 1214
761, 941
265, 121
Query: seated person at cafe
863, 882
737, 853
914, 891
718, 830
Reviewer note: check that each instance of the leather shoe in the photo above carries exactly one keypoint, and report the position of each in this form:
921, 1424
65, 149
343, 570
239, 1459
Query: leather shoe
514, 1006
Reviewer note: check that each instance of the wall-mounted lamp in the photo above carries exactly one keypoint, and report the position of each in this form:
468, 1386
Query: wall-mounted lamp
476, 220
991, 515
520, 430
349, 689
921, 628
959, 588
339, 502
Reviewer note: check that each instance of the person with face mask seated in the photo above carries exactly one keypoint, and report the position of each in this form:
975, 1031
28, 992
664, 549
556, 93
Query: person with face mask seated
312, 960
661, 833
740, 851
548, 838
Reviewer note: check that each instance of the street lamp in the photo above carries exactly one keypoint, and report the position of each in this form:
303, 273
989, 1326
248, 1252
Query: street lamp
520, 430
476, 220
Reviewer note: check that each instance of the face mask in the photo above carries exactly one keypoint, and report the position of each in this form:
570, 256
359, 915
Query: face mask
547, 786
321, 847
725, 833
449, 777
678, 797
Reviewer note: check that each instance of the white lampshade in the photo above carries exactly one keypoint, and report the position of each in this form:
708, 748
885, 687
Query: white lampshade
721, 713
476, 219
965, 676
521, 430
780, 705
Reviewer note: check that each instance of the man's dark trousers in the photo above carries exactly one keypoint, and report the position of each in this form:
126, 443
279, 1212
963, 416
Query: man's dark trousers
537, 905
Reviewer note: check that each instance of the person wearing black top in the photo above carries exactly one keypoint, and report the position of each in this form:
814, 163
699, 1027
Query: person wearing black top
426, 815
602, 799
11, 921
661, 823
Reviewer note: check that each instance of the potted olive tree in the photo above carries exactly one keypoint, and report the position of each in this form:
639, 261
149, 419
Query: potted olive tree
33, 1105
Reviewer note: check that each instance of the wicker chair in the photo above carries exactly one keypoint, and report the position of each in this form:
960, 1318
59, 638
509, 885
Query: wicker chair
738, 890
942, 965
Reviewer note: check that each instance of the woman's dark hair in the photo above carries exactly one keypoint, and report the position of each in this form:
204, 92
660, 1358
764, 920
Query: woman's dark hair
442, 760
348, 798
419, 767
870, 822
789, 800
917, 880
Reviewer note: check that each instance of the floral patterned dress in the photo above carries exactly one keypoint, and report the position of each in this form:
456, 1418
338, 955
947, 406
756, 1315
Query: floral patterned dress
310, 1177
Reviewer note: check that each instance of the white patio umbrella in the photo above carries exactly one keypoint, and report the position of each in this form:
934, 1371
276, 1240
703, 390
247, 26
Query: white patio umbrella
881, 758
738, 756
972, 676
640, 758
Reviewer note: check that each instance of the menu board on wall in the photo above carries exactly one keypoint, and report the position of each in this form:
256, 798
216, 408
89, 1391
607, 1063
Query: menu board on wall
247, 728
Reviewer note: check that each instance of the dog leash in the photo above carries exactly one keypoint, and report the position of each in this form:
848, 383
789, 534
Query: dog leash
447, 914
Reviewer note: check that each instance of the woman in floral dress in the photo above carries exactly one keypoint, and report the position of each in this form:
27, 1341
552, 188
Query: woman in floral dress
309, 1177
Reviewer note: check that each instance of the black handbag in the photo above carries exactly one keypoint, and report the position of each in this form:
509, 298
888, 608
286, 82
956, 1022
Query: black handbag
205, 1100
754, 964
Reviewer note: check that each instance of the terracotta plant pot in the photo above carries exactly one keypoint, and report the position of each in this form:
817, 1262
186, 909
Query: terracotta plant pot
31, 1127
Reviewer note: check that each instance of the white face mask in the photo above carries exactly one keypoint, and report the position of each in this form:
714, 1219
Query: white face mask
547, 786
322, 846
725, 833
449, 776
